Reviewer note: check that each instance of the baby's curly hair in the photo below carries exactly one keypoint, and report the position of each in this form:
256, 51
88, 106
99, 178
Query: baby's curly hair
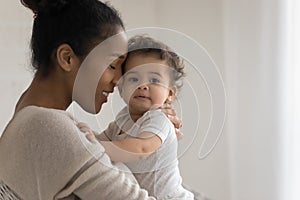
143, 44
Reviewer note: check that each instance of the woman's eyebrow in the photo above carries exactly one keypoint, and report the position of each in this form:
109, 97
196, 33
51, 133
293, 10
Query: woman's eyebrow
118, 55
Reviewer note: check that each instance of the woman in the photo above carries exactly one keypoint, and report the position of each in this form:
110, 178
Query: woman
42, 154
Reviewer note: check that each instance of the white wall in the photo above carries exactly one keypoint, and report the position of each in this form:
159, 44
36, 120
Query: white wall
15, 30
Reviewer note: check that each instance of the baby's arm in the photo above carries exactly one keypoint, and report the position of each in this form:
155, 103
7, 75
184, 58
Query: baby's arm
129, 149
132, 149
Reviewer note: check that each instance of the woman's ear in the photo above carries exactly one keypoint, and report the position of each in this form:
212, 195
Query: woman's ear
66, 58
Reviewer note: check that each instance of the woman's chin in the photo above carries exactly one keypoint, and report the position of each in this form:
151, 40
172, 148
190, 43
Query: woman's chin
98, 108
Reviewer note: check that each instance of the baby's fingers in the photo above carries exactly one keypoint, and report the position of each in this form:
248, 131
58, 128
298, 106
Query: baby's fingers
90, 136
86, 130
81, 124
88, 133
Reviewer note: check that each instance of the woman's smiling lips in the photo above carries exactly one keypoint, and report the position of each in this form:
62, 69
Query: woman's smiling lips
105, 94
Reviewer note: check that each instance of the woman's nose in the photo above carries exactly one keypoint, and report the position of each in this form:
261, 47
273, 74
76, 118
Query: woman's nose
117, 76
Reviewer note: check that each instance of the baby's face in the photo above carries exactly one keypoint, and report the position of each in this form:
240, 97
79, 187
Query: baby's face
146, 83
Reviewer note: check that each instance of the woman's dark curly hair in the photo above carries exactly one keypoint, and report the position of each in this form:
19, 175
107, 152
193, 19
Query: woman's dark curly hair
78, 23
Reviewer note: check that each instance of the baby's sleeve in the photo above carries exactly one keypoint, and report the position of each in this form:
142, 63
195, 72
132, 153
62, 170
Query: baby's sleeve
156, 122
108, 133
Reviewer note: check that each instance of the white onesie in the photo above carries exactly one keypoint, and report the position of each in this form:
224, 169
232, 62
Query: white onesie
159, 172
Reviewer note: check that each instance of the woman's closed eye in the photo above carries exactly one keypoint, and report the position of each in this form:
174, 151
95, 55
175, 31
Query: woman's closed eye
112, 67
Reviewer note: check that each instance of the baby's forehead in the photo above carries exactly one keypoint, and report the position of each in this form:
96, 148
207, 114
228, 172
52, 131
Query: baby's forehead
149, 72
144, 61
144, 68
145, 56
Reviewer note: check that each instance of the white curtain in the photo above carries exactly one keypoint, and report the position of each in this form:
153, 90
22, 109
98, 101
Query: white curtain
263, 84
290, 99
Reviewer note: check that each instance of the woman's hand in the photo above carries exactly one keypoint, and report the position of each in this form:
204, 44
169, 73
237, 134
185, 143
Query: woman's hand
171, 114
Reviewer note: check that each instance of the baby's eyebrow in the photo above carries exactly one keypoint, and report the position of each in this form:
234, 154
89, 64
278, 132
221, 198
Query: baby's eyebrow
130, 72
156, 73
135, 72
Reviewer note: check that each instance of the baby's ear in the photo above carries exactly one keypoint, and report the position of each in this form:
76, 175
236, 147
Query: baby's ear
172, 94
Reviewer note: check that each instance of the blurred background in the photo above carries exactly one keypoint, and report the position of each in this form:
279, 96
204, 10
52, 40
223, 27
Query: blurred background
255, 45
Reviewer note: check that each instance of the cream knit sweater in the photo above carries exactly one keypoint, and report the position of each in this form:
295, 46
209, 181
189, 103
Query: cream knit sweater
44, 156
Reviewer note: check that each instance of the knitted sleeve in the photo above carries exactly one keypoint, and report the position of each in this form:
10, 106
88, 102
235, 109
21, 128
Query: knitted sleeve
57, 161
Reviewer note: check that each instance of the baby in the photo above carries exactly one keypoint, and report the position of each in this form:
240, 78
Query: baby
142, 136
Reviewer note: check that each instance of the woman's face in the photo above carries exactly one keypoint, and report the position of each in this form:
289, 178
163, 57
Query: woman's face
117, 50
99, 73
108, 81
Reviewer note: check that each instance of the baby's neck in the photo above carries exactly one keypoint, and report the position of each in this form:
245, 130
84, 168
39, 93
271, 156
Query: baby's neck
136, 113
135, 116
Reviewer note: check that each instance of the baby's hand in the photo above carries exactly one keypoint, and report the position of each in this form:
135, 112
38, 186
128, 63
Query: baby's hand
89, 133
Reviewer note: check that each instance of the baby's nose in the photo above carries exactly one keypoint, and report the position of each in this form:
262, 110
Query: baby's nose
143, 87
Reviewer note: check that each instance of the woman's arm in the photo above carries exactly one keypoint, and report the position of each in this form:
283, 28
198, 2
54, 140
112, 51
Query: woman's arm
65, 162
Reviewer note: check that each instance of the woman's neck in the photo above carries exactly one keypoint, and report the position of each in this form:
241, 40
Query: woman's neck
45, 92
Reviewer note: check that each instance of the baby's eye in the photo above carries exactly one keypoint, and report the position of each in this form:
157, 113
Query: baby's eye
133, 79
154, 80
